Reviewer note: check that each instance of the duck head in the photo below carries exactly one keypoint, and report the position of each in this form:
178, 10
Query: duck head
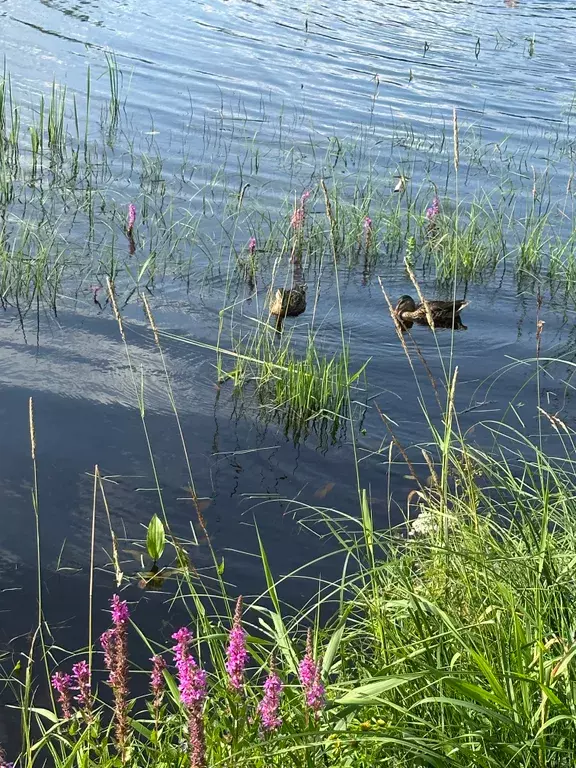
405, 304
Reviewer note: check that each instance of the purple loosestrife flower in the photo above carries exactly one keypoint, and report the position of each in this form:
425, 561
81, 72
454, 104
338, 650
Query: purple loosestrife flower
237, 653
81, 680
269, 706
196, 738
131, 217
299, 215
309, 674
115, 645
62, 684
434, 209
3, 762
367, 232
108, 643
192, 687
252, 246
157, 683
297, 219
192, 679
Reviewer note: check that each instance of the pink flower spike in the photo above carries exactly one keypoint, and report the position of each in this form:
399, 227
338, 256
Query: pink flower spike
237, 653
108, 643
269, 706
157, 683
192, 679
81, 676
131, 217
305, 196
252, 245
367, 224
434, 209
309, 674
120, 612
62, 684
297, 219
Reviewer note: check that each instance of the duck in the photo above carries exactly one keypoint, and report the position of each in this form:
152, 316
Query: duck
444, 314
289, 302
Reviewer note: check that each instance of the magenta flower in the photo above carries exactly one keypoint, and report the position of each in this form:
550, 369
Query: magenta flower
367, 224
252, 245
81, 680
115, 646
192, 687
237, 653
192, 679
62, 684
131, 217
309, 674
434, 209
269, 706
120, 612
299, 215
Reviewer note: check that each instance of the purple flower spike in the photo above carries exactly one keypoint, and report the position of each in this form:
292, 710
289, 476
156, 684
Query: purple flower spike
434, 209
131, 217
157, 681
252, 245
269, 706
309, 674
62, 684
297, 219
237, 653
192, 687
120, 612
299, 215
367, 224
192, 679
81, 679
115, 646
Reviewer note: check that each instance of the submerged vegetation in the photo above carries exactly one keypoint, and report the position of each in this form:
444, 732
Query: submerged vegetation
445, 641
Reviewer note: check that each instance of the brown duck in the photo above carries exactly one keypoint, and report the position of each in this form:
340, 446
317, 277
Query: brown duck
288, 302
444, 314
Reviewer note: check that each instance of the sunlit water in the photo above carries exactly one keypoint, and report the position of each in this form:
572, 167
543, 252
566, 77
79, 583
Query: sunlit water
191, 70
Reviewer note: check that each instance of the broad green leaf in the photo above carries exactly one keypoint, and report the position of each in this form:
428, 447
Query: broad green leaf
155, 539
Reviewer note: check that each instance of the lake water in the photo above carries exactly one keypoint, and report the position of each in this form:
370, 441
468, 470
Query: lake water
227, 94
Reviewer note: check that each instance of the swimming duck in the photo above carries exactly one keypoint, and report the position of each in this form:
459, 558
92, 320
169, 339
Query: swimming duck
444, 313
289, 302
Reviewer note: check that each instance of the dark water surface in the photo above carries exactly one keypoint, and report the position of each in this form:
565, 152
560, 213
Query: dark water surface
293, 74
